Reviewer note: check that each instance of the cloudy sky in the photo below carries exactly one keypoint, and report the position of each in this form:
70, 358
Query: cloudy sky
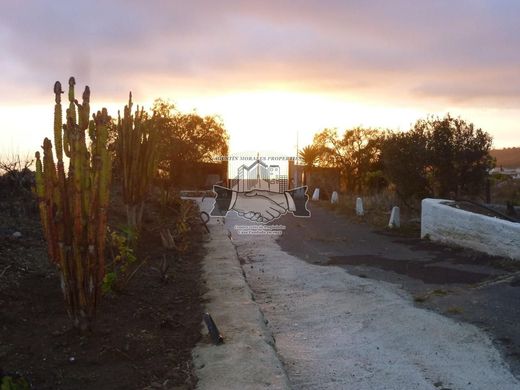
270, 69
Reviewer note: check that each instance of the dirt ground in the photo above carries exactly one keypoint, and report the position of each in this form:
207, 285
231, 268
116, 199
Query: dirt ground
143, 336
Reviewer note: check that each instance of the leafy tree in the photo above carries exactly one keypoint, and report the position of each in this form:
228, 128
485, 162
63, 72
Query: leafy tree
437, 157
356, 153
405, 163
186, 139
458, 155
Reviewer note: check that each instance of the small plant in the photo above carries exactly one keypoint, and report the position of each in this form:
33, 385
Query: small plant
421, 298
16, 182
454, 310
179, 239
14, 383
124, 263
439, 292
424, 297
164, 267
15, 173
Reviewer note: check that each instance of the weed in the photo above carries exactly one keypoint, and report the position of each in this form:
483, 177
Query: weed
179, 239
439, 292
424, 297
454, 310
124, 264
163, 268
13, 382
421, 298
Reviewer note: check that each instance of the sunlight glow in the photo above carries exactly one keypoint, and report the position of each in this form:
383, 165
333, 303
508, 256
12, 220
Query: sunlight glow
269, 119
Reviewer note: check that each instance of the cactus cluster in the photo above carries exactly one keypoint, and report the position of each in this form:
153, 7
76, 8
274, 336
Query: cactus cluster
73, 206
136, 148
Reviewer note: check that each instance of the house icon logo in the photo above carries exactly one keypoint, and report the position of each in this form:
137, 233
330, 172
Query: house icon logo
260, 176
260, 192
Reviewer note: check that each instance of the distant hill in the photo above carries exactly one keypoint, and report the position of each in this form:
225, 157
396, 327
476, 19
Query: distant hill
507, 158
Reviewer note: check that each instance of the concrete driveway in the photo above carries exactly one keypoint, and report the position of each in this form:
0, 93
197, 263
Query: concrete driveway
336, 328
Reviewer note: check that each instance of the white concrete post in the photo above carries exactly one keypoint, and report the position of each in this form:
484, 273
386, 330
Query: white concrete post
334, 198
316, 194
395, 219
359, 207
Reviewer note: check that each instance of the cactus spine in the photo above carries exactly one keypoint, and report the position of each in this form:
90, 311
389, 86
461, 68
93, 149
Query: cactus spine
73, 207
137, 154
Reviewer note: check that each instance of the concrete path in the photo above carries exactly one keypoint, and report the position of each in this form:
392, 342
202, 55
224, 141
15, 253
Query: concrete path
247, 359
468, 286
326, 328
334, 330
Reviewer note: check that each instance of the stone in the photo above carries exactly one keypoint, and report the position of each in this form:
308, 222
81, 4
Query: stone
316, 194
334, 198
359, 207
395, 218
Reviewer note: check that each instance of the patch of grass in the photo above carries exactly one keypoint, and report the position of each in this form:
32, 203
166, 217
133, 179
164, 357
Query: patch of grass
508, 264
421, 298
377, 209
454, 310
439, 292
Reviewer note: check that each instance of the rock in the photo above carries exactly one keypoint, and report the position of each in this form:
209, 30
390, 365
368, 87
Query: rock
359, 207
16, 235
395, 219
334, 198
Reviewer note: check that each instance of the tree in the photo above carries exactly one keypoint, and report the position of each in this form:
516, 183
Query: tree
437, 157
405, 164
356, 153
458, 155
310, 155
186, 139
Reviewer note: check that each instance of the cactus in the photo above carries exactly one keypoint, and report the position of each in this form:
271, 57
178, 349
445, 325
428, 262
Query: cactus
136, 149
73, 207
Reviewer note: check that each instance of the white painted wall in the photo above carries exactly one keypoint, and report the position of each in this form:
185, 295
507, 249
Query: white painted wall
447, 224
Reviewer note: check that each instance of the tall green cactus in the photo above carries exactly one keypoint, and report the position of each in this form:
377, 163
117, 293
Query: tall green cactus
73, 207
136, 148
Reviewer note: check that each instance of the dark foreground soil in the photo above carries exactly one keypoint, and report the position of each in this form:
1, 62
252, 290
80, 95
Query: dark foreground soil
143, 336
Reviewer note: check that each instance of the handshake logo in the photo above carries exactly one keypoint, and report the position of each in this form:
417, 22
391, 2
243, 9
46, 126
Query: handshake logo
261, 205
260, 193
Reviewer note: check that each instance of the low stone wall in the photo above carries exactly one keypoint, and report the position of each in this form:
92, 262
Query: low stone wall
443, 223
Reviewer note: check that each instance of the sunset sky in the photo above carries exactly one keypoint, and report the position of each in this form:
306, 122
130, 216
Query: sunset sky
270, 69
